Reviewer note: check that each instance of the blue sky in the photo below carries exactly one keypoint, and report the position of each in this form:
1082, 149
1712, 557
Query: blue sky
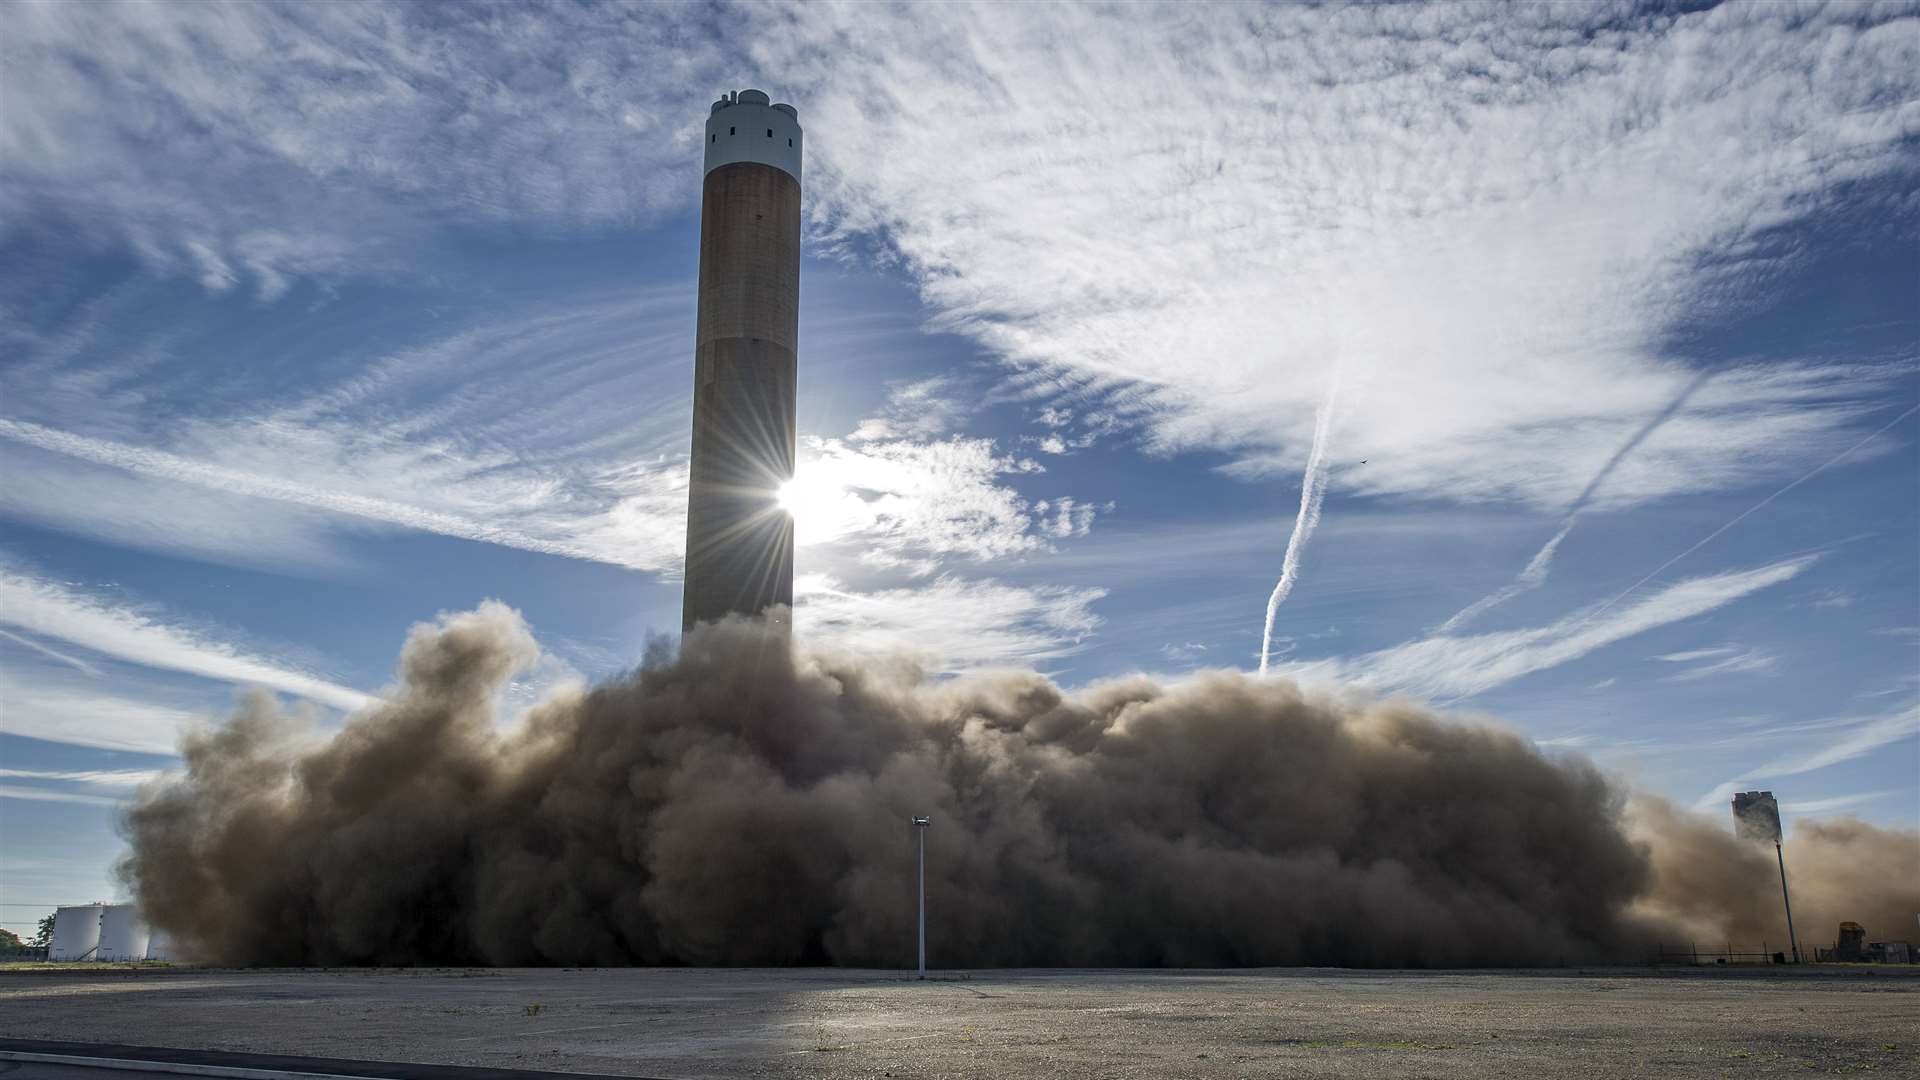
316, 321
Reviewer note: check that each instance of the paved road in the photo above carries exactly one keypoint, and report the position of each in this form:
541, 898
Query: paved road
37, 1059
14, 1070
845, 1024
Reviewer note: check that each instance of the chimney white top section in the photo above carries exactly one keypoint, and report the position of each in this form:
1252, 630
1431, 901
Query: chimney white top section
743, 126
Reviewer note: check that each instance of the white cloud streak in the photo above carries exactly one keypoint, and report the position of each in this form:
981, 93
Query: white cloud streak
1534, 574
1531, 577
1459, 667
519, 432
1861, 738
277, 141
1809, 807
1688, 656
117, 779
922, 409
161, 464
33, 794
1161, 223
1858, 737
1491, 220
133, 509
1313, 489
80, 716
1757, 507
1720, 660
949, 625
1493, 215
911, 504
52, 654
52, 610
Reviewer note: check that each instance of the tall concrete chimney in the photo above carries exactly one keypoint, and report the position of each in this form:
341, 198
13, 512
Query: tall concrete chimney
739, 539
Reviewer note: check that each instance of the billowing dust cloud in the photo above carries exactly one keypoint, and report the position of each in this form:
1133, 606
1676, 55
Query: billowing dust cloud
736, 804
1719, 890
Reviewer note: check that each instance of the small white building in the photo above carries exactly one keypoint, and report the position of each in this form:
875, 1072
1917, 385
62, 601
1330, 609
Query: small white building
76, 932
123, 933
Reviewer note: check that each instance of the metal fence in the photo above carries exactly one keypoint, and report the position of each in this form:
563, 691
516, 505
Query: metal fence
1876, 953
1692, 954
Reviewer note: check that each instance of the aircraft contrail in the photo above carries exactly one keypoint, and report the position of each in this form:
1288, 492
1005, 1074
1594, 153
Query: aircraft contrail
1530, 578
1535, 574
1313, 487
1755, 508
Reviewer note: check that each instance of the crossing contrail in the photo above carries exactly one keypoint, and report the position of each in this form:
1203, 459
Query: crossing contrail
1755, 508
1530, 578
1313, 487
1537, 568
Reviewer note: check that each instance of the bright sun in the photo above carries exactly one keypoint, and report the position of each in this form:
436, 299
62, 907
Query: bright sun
821, 505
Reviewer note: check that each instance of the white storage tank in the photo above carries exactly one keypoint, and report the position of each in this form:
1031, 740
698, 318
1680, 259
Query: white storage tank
123, 933
76, 932
159, 946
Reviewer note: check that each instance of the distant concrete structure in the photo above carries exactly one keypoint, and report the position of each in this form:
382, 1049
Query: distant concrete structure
123, 933
739, 539
76, 932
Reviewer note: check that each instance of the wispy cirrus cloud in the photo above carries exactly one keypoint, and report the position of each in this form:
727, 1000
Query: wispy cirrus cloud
50, 653
519, 431
1165, 226
914, 504
1860, 736
278, 465
950, 624
278, 141
923, 408
1871, 437
1462, 666
1842, 739
1159, 222
1832, 803
85, 787
55, 711
1719, 660
137, 507
53, 610
119, 779
38, 794
1490, 222
1534, 574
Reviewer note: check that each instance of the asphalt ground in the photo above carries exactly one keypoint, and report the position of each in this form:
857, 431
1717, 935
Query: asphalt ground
676, 1023
33, 1059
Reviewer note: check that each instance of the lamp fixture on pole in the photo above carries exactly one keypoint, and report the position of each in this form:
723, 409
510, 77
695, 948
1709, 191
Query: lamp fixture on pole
920, 826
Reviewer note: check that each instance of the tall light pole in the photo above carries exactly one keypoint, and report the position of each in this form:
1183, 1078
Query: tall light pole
1793, 942
920, 826
1756, 816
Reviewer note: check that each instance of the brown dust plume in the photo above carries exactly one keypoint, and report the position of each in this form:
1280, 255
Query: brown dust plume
740, 803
